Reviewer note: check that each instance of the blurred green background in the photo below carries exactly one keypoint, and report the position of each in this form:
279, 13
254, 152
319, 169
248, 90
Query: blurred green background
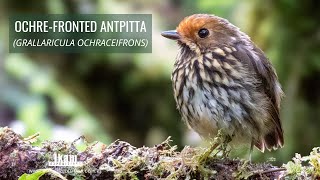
129, 97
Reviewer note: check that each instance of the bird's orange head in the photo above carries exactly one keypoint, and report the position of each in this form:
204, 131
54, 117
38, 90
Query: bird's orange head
202, 31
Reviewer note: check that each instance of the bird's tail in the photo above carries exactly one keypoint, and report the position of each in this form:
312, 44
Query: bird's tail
272, 140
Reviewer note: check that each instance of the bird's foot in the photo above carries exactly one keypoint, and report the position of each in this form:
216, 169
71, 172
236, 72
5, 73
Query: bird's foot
217, 141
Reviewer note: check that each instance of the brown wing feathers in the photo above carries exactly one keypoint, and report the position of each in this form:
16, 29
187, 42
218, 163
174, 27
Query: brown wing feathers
269, 84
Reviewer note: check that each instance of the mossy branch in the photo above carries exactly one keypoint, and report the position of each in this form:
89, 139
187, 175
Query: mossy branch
120, 160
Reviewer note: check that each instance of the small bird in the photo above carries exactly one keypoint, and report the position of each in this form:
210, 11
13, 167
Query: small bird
223, 82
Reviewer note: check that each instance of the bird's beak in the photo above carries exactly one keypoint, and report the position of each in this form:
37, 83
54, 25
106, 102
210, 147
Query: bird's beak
172, 34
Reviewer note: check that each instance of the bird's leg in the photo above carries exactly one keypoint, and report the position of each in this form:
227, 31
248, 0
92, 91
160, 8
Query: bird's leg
250, 153
251, 149
217, 141
224, 146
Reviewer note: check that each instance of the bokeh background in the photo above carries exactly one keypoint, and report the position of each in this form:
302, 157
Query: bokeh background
129, 97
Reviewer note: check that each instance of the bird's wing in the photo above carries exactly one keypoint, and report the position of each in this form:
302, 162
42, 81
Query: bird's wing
256, 60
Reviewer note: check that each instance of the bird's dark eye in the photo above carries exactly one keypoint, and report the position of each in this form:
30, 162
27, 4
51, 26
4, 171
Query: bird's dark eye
203, 33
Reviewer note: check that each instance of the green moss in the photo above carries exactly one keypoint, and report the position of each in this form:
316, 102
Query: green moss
305, 167
120, 160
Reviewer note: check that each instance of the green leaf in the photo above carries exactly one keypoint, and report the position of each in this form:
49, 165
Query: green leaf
34, 176
40, 172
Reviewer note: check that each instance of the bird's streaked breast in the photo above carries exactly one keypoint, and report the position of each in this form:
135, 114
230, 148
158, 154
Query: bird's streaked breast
211, 89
